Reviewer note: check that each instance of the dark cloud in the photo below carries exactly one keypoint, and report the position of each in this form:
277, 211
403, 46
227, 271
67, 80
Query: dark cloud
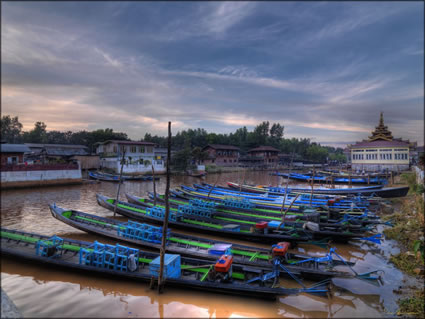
323, 70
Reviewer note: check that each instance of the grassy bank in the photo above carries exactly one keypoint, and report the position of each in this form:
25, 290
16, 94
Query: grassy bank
408, 230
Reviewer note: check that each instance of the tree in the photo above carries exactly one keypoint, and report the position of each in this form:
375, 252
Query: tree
198, 155
11, 129
37, 134
316, 153
261, 132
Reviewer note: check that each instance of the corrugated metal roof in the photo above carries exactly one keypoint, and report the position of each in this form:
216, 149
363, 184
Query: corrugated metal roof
125, 142
39, 145
222, 147
14, 148
264, 148
64, 151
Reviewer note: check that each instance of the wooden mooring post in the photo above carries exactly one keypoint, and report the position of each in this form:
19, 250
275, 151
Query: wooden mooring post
119, 182
161, 281
312, 187
154, 186
287, 183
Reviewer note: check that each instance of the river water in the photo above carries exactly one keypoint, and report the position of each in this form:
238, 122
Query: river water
41, 292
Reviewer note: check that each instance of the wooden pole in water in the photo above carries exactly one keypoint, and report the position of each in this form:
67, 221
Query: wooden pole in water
287, 210
287, 183
240, 185
312, 187
216, 181
167, 213
154, 186
119, 183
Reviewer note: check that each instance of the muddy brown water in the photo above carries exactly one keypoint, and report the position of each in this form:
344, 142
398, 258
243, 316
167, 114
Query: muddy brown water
47, 292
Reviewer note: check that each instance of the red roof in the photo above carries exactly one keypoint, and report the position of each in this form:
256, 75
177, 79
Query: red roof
222, 147
264, 148
381, 143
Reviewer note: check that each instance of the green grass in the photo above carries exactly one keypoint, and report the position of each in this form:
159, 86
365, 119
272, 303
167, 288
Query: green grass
413, 306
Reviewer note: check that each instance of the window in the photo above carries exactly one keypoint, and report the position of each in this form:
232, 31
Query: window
390, 156
133, 149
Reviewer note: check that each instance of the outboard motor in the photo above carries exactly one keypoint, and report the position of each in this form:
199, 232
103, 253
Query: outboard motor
223, 268
280, 249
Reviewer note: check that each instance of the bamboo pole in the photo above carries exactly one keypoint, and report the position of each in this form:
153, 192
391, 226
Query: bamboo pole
154, 186
312, 187
119, 183
287, 183
240, 185
216, 181
287, 210
167, 213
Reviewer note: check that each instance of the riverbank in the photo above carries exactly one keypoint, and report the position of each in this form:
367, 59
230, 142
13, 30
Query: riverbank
408, 231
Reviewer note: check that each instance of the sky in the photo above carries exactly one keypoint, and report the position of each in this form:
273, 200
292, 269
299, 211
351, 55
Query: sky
323, 70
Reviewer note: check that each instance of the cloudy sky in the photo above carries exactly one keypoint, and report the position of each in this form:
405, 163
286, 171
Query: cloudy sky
323, 70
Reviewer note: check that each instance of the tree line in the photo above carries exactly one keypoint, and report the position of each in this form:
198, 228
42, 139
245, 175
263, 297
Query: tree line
188, 144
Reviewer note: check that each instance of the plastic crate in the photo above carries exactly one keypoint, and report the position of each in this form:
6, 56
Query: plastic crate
220, 249
275, 224
172, 268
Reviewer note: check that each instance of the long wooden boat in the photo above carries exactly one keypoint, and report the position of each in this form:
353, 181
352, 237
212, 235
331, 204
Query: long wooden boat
313, 226
133, 177
313, 268
334, 220
101, 177
241, 228
297, 199
225, 227
386, 192
337, 180
136, 265
115, 178
259, 204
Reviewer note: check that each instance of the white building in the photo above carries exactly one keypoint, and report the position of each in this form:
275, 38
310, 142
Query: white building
139, 156
380, 152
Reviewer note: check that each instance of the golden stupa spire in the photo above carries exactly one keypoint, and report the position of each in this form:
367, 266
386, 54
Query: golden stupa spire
381, 131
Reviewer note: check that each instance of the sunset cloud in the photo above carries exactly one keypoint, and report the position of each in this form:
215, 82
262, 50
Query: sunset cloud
322, 70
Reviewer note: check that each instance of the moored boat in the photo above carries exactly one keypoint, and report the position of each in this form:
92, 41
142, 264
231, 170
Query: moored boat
313, 268
128, 263
386, 192
236, 227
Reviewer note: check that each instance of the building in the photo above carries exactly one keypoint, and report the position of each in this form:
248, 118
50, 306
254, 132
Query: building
262, 156
47, 153
17, 172
138, 156
161, 154
221, 155
380, 152
12, 154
